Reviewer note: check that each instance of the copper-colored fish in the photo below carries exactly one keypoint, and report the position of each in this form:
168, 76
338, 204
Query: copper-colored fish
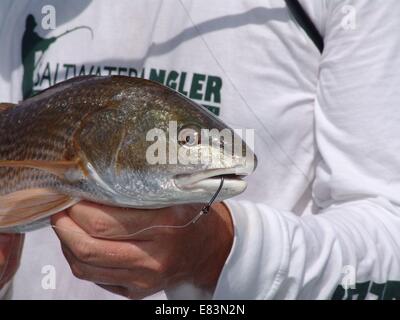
87, 138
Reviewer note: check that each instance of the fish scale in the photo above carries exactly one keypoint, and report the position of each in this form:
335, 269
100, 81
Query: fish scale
42, 136
85, 139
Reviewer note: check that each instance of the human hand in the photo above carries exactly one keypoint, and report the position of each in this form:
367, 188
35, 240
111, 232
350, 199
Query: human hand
10, 255
151, 261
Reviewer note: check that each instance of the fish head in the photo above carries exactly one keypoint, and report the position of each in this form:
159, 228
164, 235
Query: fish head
156, 148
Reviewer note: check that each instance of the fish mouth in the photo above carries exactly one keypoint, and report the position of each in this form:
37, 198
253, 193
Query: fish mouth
210, 180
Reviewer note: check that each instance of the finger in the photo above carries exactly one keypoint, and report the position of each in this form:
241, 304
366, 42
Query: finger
140, 278
119, 290
81, 270
99, 252
128, 292
14, 258
5, 244
10, 256
112, 222
10, 247
103, 221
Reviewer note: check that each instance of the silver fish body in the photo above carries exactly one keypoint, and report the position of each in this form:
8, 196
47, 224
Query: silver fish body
112, 140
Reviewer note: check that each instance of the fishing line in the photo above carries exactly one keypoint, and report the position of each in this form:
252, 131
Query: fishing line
205, 210
242, 97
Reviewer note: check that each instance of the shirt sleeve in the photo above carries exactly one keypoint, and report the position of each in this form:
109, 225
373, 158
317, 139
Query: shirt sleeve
351, 248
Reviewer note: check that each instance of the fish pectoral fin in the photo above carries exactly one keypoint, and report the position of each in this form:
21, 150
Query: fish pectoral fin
25, 206
6, 106
68, 170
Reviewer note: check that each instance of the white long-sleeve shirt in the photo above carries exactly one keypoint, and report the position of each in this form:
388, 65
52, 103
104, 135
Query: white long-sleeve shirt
354, 239
321, 213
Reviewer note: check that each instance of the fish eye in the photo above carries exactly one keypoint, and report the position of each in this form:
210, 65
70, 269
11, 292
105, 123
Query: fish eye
188, 137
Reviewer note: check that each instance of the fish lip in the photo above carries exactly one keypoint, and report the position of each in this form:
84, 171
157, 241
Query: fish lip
185, 181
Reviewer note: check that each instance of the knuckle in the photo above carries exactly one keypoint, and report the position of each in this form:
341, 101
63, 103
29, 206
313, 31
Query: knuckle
77, 271
161, 266
98, 227
71, 211
135, 294
144, 287
84, 251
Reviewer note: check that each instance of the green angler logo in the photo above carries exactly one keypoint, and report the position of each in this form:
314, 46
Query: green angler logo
39, 74
32, 44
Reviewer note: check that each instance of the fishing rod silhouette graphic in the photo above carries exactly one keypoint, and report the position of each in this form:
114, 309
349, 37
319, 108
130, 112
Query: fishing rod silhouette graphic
64, 34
